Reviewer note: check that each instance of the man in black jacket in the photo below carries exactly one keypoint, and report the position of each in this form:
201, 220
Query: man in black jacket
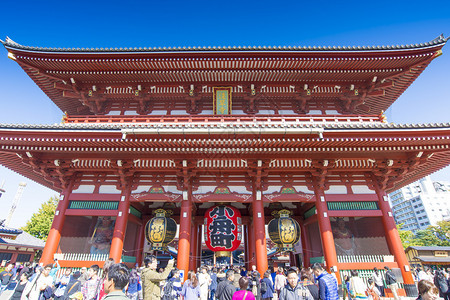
226, 289
391, 282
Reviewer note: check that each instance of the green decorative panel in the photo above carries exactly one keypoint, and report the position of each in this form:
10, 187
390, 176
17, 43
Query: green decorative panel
135, 212
318, 259
353, 205
98, 205
309, 213
128, 259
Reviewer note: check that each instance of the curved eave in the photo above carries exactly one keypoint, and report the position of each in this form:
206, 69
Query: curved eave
439, 41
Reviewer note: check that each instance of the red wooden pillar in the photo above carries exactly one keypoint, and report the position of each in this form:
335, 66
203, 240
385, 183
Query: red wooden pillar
306, 245
54, 236
184, 243
326, 234
120, 228
141, 241
246, 246
251, 246
199, 245
394, 241
259, 232
193, 247
14, 256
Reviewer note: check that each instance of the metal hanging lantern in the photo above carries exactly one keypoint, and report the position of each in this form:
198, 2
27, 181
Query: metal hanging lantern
160, 230
283, 230
223, 230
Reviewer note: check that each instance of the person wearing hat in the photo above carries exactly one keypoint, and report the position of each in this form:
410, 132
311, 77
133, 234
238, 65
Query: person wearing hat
74, 285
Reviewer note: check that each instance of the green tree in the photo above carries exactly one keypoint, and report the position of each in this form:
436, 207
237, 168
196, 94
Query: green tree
442, 231
40, 223
406, 236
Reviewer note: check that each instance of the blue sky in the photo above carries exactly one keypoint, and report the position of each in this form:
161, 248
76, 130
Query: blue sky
214, 23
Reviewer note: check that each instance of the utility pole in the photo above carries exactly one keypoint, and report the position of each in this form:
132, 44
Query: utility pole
17, 198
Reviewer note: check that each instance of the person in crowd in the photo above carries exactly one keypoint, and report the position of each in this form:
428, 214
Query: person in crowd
346, 288
372, 292
267, 292
243, 293
191, 287
213, 285
204, 280
173, 288
255, 277
20, 287
442, 284
243, 271
427, 290
357, 286
280, 280
294, 290
74, 285
328, 286
391, 282
226, 289
84, 275
237, 276
151, 278
221, 276
378, 280
307, 277
6, 277
42, 283
55, 268
26, 269
108, 263
61, 284
91, 288
117, 278
134, 289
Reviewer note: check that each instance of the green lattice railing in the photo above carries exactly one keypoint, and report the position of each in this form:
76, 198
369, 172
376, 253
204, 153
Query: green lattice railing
99, 205
353, 205
135, 212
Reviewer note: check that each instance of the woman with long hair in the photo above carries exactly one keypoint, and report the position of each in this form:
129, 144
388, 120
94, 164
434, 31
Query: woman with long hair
306, 277
191, 288
280, 280
134, 289
357, 286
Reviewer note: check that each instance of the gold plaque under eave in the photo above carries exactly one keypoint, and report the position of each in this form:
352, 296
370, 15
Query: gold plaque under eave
222, 100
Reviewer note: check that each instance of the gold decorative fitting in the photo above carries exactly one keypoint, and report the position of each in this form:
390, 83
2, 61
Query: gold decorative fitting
356, 92
90, 93
438, 53
223, 254
136, 93
162, 213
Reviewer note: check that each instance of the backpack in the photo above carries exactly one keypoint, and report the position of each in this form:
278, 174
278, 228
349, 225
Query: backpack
167, 291
263, 287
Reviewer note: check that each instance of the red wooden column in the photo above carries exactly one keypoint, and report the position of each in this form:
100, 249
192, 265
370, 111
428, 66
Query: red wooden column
54, 236
394, 241
120, 228
259, 232
326, 234
193, 247
246, 246
251, 246
306, 245
141, 241
184, 242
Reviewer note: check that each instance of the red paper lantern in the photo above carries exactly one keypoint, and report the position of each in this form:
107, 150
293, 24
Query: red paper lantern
223, 230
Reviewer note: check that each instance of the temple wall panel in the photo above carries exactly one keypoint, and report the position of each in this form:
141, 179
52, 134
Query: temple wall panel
362, 189
82, 189
336, 189
109, 189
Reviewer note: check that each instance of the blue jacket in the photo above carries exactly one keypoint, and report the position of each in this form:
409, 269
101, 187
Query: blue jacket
328, 287
213, 285
269, 291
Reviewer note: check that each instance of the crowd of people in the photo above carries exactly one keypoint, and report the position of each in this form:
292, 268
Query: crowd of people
117, 282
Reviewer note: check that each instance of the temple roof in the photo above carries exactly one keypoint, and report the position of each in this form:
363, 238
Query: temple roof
9, 43
403, 152
350, 80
